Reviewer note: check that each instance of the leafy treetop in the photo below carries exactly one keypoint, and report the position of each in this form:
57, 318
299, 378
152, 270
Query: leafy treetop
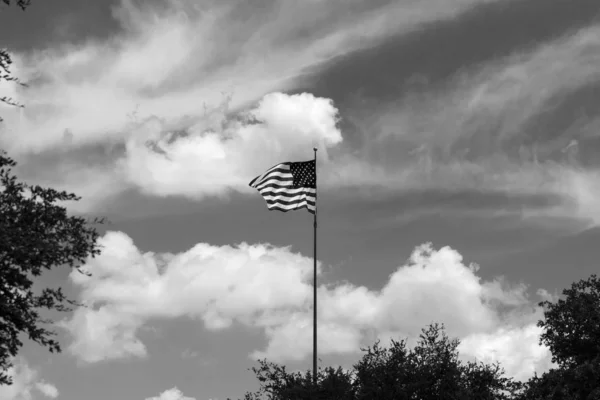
36, 234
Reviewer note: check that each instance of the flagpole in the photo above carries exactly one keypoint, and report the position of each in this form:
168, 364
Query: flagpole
315, 281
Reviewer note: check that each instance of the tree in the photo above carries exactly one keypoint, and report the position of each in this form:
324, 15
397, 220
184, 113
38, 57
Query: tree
36, 234
6, 61
276, 383
572, 326
576, 383
432, 370
572, 333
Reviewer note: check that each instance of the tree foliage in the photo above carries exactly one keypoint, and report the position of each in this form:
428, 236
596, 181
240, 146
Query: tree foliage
276, 383
572, 333
36, 234
432, 370
572, 326
580, 382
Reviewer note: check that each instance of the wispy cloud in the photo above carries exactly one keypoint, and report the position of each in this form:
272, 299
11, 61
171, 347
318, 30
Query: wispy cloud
161, 73
269, 289
172, 59
158, 124
487, 129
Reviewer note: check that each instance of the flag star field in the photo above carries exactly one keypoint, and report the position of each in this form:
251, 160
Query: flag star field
458, 167
304, 174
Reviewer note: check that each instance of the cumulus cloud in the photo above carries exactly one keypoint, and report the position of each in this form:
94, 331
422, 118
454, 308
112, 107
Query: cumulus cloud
504, 344
215, 284
212, 159
211, 156
171, 394
26, 382
269, 288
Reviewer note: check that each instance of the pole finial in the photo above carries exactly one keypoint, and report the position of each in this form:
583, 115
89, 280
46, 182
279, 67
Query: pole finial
314, 148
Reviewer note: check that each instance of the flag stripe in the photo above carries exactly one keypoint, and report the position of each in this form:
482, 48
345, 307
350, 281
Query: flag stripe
310, 208
298, 199
275, 182
279, 168
280, 174
260, 177
289, 192
286, 202
277, 187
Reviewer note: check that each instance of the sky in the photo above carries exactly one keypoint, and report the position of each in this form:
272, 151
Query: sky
457, 180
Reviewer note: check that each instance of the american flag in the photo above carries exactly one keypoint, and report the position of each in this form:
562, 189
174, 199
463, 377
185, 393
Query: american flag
289, 186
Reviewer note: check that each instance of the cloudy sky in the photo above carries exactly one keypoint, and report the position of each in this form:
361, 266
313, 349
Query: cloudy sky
458, 179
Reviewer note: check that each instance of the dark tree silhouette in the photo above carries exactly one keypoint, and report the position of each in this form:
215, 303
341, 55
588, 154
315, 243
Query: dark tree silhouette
572, 326
36, 234
276, 383
430, 371
572, 332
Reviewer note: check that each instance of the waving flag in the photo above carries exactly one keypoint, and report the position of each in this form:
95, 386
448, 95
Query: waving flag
289, 186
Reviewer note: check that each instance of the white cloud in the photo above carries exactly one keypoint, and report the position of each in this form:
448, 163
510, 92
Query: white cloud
223, 155
99, 83
25, 383
91, 89
171, 394
47, 389
213, 156
171, 59
434, 286
270, 289
105, 334
516, 349
216, 284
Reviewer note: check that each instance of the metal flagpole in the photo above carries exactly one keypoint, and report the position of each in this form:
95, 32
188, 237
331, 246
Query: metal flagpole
315, 281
